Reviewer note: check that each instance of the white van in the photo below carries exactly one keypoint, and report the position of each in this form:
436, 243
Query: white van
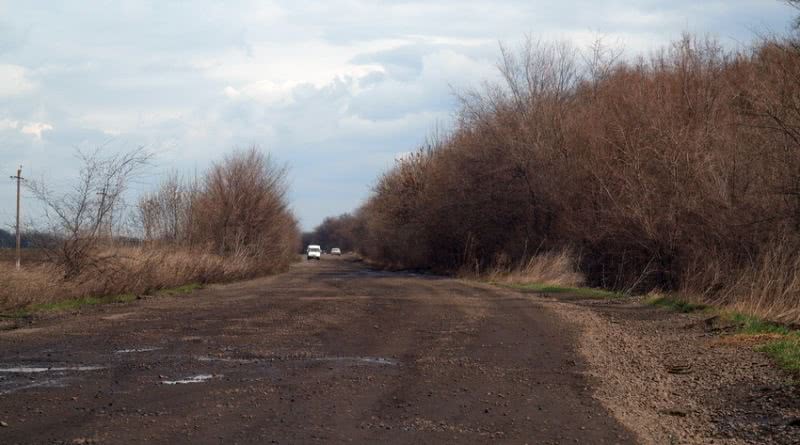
313, 252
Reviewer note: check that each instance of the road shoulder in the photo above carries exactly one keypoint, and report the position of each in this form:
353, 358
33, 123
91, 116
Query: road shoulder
674, 378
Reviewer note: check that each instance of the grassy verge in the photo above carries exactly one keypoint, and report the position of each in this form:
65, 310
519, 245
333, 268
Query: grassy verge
780, 342
587, 292
754, 325
676, 304
785, 349
82, 302
786, 352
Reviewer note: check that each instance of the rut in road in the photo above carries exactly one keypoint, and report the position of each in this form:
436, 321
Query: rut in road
330, 352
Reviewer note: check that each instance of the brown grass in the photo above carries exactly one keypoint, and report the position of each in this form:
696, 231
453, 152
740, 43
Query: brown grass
136, 271
769, 288
28, 255
549, 268
232, 223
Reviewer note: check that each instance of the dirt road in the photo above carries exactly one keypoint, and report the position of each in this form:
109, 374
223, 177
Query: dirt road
330, 352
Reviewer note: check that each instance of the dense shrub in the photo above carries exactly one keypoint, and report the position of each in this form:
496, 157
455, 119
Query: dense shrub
677, 171
238, 208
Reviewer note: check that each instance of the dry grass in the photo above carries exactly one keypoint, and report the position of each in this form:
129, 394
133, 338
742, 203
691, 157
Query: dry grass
29, 256
231, 224
557, 268
769, 288
124, 271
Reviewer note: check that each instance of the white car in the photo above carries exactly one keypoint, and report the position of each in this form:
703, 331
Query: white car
313, 252
336, 251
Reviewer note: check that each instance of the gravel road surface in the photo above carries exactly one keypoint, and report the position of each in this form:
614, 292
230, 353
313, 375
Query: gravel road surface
329, 352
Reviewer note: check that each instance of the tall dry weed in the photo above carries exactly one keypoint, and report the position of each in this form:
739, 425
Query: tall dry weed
769, 288
126, 270
558, 268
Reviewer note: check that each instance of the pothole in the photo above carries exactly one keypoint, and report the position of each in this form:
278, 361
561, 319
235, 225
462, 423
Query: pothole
38, 369
48, 383
200, 378
367, 360
135, 350
227, 360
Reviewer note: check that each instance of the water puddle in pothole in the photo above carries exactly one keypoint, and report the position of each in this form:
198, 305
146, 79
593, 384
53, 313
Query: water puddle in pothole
303, 358
135, 350
38, 369
19, 378
200, 378
227, 360
365, 360
49, 383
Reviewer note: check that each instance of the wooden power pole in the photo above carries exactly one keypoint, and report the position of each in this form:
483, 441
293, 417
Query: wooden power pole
19, 179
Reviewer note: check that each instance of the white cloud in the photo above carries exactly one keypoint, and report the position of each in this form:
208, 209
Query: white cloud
231, 92
335, 82
8, 124
34, 129
14, 81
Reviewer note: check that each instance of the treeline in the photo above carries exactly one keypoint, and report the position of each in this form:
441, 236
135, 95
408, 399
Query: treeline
678, 171
344, 231
230, 223
238, 207
27, 239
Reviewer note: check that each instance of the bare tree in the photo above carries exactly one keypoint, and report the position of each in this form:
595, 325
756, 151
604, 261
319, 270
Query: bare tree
79, 216
164, 215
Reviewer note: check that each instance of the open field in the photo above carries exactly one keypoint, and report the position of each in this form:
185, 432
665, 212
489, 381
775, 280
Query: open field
334, 352
29, 256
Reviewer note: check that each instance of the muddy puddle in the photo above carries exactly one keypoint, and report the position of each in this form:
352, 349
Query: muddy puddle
359, 360
10, 387
24, 377
135, 350
40, 369
199, 378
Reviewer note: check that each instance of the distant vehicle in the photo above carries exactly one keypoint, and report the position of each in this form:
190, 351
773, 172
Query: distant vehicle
336, 251
313, 252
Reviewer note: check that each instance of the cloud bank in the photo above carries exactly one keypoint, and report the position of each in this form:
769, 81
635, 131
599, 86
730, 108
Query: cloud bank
337, 89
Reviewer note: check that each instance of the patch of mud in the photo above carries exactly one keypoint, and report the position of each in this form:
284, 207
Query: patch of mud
200, 378
121, 316
337, 298
193, 339
22, 331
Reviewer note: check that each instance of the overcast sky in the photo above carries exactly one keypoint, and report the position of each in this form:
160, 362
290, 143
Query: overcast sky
334, 88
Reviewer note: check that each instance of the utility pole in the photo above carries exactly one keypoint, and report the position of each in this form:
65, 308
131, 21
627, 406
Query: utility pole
19, 179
